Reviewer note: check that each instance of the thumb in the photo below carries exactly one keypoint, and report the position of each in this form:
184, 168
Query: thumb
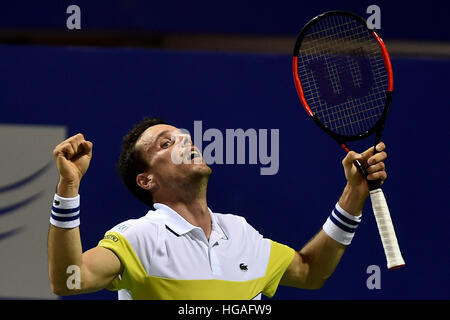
351, 156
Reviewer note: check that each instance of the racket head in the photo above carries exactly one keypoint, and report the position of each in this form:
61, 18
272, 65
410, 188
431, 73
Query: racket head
343, 75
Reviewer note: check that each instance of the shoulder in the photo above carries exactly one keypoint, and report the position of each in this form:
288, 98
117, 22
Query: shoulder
133, 229
237, 225
230, 221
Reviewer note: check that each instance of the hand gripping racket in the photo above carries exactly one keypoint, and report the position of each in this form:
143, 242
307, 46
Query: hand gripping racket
344, 80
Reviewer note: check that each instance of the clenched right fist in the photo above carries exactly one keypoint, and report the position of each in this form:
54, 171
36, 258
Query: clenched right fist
72, 157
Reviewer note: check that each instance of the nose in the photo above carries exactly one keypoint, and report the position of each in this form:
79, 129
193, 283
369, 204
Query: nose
185, 139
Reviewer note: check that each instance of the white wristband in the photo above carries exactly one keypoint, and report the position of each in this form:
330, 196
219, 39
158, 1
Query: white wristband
65, 212
341, 225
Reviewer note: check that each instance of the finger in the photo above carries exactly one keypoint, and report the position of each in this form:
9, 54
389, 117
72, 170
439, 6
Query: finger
380, 175
369, 152
377, 167
381, 156
76, 142
65, 150
77, 139
380, 146
78, 136
87, 147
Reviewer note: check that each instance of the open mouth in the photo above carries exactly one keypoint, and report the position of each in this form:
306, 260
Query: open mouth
193, 154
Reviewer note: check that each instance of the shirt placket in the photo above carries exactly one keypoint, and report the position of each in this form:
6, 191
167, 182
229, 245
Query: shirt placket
210, 248
213, 258
212, 253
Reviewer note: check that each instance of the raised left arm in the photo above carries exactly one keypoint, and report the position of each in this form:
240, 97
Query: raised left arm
318, 259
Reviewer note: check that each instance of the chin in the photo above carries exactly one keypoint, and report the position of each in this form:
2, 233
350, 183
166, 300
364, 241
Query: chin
201, 170
203, 167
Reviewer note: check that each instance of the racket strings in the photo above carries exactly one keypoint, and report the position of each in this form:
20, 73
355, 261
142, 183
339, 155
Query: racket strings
343, 76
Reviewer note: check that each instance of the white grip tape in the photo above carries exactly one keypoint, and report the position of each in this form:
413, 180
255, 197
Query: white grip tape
386, 229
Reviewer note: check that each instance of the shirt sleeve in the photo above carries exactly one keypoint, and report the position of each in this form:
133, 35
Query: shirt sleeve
278, 257
281, 257
132, 267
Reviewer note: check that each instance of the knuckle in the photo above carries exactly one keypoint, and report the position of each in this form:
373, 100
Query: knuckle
75, 138
375, 168
351, 156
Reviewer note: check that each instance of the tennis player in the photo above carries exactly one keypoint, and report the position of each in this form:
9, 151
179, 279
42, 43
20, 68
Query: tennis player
182, 249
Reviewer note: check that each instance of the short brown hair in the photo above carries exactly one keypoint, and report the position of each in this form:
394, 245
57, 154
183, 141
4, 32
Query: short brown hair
131, 162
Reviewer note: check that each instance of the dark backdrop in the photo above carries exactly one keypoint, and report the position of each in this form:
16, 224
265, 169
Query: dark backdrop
103, 92
399, 19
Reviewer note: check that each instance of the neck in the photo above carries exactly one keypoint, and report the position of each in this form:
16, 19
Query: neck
191, 204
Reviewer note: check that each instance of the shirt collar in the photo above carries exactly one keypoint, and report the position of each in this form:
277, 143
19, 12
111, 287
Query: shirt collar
176, 223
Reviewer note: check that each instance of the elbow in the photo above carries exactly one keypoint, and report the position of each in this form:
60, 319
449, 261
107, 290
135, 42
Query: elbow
58, 289
315, 284
310, 283
66, 288
62, 290
56, 284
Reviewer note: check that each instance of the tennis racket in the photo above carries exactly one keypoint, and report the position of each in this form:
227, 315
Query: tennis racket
344, 80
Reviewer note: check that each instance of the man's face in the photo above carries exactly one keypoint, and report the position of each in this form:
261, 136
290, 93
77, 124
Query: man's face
171, 156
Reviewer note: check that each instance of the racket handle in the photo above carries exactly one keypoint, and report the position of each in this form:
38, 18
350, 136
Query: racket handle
386, 229
373, 184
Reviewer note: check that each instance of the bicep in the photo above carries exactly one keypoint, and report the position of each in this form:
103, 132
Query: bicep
99, 267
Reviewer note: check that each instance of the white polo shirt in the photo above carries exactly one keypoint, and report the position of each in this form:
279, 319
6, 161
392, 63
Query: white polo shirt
166, 257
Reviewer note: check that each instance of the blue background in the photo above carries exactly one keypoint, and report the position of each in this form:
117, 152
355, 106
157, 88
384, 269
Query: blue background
103, 92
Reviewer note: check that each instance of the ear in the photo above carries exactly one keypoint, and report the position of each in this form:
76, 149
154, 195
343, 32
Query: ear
146, 181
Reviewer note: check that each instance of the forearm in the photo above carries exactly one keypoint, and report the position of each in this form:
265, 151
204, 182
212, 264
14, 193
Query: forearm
353, 198
323, 253
64, 246
64, 250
